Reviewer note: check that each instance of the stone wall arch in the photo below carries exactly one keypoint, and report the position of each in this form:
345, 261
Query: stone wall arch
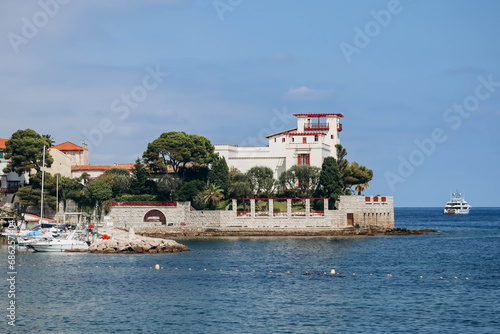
155, 216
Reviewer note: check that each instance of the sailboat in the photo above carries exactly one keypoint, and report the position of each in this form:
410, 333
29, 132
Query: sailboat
70, 242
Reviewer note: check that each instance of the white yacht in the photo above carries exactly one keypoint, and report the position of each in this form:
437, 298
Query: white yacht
72, 241
457, 205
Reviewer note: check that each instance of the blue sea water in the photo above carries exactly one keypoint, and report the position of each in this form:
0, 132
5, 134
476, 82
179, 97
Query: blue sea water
388, 284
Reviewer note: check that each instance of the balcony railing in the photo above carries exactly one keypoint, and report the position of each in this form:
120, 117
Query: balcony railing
316, 126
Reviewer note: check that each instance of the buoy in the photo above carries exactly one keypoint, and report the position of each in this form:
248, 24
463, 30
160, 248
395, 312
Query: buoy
157, 267
204, 270
175, 268
288, 272
189, 268
421, 277
371, 274
220, 269
253, 271
236, 269
353, 274
467, 278
48, 265
456, 277
270, 271
440, 278
161, 268
389, 275
97, 266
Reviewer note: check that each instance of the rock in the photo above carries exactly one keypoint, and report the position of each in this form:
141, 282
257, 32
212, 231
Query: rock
145, 246
129, 242
136, 248
123, 246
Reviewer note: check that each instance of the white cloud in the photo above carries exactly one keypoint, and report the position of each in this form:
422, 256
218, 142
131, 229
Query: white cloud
305, 93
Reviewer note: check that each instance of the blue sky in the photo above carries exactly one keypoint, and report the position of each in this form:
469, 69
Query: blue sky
232, 70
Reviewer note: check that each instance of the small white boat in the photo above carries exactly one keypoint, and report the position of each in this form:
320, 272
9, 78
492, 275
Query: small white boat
457, 205
71, 242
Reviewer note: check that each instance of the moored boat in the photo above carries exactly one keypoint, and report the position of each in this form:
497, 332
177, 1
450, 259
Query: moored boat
457, 205
71, 242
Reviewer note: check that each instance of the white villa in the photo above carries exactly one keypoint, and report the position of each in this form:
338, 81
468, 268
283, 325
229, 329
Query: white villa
309, 143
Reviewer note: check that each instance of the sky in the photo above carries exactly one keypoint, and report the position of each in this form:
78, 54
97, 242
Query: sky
417, 81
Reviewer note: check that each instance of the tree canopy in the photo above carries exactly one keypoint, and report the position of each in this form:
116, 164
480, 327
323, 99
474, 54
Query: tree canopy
239, 186
352, 174
261, 181
25, 150
177, 149
300, 180
356, 174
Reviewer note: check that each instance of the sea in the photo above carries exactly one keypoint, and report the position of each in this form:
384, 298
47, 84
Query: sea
444, 282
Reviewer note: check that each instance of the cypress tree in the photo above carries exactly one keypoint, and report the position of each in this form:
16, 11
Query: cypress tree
330, 181
219, 174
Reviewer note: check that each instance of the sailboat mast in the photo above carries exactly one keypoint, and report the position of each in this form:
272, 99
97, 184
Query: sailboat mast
43, 177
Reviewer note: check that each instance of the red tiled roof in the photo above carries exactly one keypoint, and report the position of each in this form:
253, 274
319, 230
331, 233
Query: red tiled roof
280, 133
2, 143
68, 146
75, 168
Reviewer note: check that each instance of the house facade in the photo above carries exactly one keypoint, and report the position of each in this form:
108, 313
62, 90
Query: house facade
78, 155
309, 143
96, 170
9, 182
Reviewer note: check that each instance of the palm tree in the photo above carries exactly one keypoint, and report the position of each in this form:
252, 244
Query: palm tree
49, 139
360, 187
214, 194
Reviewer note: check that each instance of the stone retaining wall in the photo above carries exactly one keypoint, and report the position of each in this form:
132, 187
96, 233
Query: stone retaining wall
353, 212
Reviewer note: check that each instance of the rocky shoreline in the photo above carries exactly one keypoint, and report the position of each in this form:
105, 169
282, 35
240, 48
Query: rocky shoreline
129, 243
405, 231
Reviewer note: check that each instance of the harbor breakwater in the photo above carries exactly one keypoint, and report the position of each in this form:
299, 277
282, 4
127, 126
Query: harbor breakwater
128, 242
